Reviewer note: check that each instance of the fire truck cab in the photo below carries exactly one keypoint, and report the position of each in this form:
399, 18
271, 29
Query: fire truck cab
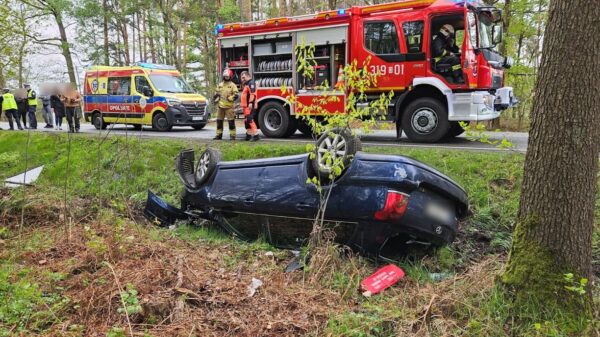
396, 40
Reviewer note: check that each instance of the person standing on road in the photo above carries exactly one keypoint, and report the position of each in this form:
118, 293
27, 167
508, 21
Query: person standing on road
72, 100
22, 105
9, 106
58, 107
248, 103
227, 93
47, 111
32, 103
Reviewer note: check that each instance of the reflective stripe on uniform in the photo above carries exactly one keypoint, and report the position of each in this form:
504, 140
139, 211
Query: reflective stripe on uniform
32, 101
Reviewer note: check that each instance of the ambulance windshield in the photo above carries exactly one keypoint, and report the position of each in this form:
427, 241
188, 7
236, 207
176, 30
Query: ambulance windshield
169, 83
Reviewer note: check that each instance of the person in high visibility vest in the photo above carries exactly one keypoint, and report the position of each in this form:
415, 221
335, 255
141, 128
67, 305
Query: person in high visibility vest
32, 102
9, 106
248, 103
445, 53
227, 93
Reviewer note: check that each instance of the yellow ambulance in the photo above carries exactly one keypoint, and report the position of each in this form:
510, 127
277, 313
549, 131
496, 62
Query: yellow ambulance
143, 94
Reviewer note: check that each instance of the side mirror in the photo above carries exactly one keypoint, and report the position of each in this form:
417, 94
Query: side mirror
147, 91
497, 34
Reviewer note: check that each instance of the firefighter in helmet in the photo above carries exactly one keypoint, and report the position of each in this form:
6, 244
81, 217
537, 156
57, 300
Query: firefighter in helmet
445, 53
248, 103
227, 93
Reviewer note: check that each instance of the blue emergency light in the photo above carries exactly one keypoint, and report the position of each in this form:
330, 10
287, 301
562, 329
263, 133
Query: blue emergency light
155, 66
341, 11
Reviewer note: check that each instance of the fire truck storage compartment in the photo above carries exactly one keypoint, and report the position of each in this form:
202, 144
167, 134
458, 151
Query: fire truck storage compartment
329, 55
272, 59
234, 55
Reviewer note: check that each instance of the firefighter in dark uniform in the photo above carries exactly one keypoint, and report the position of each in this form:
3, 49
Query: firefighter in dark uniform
248, 103
9, 106
32, 103
227, 93
444, 52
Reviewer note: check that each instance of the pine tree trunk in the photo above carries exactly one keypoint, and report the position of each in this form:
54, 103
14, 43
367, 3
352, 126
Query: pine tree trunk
246, 10
105, 32
553, 235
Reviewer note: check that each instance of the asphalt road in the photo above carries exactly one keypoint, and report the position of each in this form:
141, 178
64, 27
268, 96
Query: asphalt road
376, 138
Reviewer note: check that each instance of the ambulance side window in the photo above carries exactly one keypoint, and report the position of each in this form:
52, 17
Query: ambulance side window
381, 38
119, 86
413, 35
140, 83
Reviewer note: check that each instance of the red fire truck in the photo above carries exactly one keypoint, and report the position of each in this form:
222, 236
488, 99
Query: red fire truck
397, 37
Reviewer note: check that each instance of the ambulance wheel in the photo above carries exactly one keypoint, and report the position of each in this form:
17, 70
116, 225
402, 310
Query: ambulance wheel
274, 120
160, 122
98, 121
425, 120
199, 126
137, 127
207, 164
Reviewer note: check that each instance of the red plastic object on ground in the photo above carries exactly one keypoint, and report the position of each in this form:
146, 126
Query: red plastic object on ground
381, 280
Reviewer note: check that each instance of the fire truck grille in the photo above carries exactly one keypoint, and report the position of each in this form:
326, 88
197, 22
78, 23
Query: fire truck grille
194, 109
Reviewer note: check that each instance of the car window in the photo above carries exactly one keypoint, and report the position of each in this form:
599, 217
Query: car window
413, 35
120, 86
140, 83
381, 38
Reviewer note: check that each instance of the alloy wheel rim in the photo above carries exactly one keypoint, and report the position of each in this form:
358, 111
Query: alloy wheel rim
203, 165
336, 147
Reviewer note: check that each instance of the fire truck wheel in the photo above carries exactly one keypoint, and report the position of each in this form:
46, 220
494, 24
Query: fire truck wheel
98, 121
455, 130
305, 129
274, 120
425, 120
160, 122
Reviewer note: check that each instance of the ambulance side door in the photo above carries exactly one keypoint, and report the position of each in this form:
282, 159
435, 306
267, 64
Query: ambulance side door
142, 104
120, 100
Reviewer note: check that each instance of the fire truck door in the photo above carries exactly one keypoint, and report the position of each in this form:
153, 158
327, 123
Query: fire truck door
468, 49
411, 42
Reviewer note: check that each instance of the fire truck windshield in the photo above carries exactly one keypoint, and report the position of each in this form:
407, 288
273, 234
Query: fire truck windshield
487, 20
169, 83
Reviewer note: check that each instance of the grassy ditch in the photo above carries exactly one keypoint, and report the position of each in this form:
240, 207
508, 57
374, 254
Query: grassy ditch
88, 263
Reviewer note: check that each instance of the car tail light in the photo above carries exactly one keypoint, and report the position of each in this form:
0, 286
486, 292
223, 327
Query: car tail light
394, 208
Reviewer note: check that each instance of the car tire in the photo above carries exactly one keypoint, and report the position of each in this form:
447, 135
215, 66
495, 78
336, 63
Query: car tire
207, 163
199, 126
137, 127
98, 121
160, 122
455, 130
274, 120
425, 120
344, 145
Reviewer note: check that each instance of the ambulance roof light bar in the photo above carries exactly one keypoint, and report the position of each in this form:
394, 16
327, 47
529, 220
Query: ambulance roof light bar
154, 66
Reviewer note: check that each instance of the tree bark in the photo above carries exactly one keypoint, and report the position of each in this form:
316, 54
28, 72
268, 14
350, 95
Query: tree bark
246, 10
553, 235
65, 47
105, 32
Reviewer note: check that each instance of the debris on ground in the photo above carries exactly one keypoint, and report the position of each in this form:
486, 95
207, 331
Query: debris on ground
254, 285
26, 178
381, 280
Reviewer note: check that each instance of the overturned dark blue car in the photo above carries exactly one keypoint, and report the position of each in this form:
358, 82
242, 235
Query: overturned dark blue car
377, 206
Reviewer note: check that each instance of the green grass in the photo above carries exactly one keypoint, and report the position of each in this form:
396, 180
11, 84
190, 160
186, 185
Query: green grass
118, 171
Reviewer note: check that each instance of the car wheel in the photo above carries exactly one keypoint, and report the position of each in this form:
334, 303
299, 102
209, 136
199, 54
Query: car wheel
207, 163
340, 144
160, 122
199, 126
455, 130
98, 121
425, 120
274, 120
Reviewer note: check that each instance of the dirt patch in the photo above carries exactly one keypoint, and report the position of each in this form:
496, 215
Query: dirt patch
182, 288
